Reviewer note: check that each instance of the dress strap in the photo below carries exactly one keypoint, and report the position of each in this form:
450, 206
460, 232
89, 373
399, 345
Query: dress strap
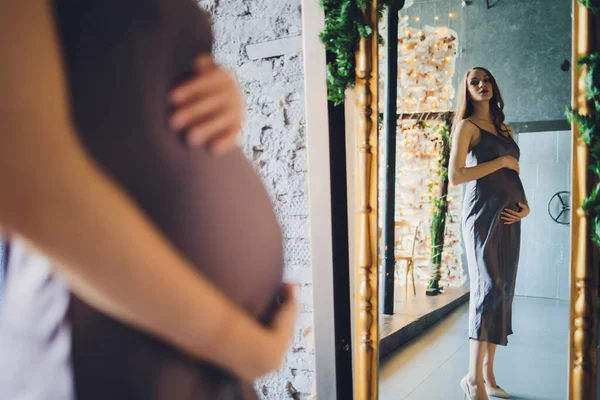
474, 123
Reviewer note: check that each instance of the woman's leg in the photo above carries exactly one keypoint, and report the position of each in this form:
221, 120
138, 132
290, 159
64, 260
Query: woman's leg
488, 365
478, 350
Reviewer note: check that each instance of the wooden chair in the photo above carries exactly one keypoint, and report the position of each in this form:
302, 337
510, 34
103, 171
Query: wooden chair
405, 243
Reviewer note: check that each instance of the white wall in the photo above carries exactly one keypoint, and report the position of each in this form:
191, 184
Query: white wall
545, 245
248, 36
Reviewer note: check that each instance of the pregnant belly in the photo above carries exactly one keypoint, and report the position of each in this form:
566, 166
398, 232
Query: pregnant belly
502, 189
218, 214
215, 210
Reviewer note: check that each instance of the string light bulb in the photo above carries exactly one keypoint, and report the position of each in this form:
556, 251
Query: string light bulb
451, 15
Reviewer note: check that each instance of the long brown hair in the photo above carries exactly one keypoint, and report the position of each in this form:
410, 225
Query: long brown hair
464, 105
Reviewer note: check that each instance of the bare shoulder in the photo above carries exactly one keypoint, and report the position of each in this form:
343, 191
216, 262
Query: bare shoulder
466, 125
465, 128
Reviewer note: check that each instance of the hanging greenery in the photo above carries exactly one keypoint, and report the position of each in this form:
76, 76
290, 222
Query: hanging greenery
440, 201
344, 26
592, 5
589, 129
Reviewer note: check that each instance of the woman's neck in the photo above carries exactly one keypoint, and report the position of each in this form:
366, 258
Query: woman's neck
481, 111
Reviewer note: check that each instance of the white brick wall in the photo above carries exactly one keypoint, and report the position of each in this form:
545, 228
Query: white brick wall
274, 140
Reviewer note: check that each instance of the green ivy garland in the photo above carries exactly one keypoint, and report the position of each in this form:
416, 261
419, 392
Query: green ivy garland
440, 202
589, 129
344, 26
592, 5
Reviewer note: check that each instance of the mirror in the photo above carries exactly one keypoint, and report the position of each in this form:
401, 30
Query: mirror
443, 247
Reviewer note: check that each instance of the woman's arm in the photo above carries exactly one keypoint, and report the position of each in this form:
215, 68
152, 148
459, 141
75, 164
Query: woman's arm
54, 196
461, 142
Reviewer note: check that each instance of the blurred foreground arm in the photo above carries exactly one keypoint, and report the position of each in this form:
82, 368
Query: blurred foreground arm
55, 197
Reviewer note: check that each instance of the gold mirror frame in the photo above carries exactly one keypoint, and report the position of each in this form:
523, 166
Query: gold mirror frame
367, 279
584, 275
583, 337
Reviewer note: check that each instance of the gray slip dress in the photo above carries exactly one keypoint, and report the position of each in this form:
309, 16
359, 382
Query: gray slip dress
492, 247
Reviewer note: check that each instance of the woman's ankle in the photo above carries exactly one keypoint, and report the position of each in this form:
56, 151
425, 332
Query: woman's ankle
489, 378
474, 380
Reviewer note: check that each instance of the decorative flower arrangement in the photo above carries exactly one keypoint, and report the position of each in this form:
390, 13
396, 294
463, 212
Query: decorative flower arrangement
426, 63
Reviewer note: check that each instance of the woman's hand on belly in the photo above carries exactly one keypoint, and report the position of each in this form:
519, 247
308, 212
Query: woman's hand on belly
510, 162
510, 216
256, 354
209, 107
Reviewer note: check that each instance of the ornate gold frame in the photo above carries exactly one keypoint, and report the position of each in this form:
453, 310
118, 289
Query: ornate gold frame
584, 275
583, 338
367, 280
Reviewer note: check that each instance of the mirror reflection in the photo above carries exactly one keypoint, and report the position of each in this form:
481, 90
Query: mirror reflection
474, 181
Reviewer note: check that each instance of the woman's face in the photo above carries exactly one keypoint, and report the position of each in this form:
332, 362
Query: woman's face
479, 86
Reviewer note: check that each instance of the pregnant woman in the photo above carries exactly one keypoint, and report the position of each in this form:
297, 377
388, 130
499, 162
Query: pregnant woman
485, 156
121, 61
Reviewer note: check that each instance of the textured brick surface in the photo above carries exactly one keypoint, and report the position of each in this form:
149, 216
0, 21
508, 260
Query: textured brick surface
274, 140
